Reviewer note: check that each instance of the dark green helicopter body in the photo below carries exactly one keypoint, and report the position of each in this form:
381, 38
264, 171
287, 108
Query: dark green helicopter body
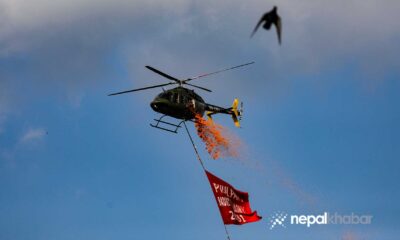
183, 103
179, 102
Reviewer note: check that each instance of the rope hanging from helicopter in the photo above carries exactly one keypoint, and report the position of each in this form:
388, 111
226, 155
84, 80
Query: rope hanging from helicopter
202, 165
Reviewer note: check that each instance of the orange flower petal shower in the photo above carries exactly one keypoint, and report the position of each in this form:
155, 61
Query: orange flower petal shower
219, 142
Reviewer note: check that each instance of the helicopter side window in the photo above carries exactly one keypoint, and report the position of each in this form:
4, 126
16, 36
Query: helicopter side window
198, 98
195, 97
176, 97
184, 98
162, 95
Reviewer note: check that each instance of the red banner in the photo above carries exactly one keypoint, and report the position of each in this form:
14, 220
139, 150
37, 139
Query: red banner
233, 205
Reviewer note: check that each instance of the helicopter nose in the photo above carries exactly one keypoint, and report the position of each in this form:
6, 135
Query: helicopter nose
156, 105
153, 105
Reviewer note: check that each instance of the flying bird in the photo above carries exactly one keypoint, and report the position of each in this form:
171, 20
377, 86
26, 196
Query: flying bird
270, 18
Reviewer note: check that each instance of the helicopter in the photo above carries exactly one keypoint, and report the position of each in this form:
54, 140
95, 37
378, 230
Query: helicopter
183, 103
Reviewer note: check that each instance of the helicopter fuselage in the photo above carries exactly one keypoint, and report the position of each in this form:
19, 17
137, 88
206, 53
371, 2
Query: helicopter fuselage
183, 103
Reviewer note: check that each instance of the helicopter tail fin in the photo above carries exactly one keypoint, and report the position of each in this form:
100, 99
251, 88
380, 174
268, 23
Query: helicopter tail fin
209, 113
236, 113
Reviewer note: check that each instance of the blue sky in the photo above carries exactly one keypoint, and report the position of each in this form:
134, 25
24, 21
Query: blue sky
320, 127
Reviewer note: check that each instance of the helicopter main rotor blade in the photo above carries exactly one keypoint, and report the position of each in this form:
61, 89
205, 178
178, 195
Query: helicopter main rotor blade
222, 70
205, 89
139, 89
163, 74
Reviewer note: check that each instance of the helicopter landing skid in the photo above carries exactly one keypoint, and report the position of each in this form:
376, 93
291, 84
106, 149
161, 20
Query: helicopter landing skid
164, 125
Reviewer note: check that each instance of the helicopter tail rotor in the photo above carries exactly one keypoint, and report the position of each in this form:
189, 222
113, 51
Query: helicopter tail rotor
236, 113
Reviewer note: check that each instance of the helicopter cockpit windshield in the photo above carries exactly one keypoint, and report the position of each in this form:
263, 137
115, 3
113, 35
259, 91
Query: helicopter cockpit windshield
173, 97
165, 95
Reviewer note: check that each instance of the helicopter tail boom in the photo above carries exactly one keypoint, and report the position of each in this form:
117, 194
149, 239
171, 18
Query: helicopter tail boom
234, 111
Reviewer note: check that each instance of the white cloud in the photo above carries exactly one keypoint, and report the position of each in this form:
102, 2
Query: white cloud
67, 45
20, 18
32, 135
322, 26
